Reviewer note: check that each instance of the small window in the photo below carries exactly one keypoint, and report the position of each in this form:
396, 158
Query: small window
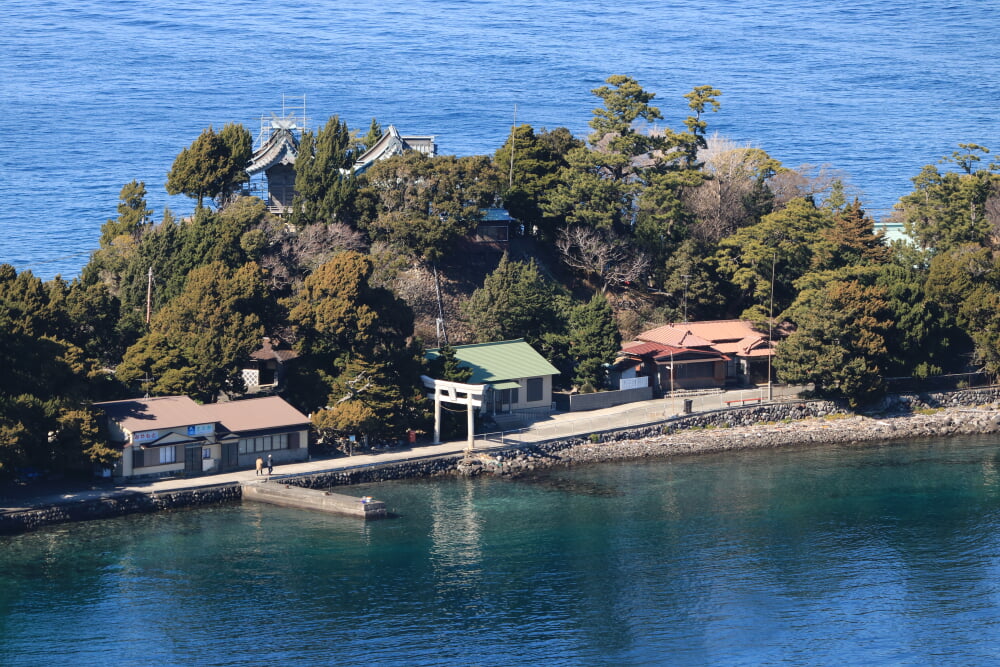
534, 391
206, 452
168, 455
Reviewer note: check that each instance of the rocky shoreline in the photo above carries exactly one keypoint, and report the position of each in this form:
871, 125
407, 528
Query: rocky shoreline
792, 424
834, 428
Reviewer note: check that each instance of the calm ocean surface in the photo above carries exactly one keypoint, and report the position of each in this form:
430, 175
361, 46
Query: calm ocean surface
875, 556
887, 555
95, 94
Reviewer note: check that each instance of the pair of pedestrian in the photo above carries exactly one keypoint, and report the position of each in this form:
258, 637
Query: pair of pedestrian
260, 465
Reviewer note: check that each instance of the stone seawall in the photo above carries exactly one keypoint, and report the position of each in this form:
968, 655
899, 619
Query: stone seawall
116, 505
758, 427
443, 465
762, 426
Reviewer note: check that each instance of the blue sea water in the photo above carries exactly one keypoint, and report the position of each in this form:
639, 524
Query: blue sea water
95, 94
818, 556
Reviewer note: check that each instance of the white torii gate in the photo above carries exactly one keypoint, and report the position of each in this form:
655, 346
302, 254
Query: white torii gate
470, 395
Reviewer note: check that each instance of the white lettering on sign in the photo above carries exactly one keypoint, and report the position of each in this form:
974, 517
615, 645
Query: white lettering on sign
200, 429
145, 436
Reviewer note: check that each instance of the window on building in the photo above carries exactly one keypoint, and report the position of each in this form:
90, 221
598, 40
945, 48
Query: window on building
206, 452
266, 443
168, 455
534, 390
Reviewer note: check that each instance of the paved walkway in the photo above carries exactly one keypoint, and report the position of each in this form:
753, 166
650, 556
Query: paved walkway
548, 427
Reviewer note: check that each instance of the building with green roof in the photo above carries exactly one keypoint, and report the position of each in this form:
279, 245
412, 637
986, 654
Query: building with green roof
519, 377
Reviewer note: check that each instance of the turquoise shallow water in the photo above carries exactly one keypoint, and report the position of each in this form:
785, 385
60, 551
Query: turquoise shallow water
95, 94
884, 555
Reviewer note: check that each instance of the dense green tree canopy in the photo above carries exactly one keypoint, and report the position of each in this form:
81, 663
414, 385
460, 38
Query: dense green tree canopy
780, 245
47, 382
839, 343
325, 184
953, 208
427, 204
213, 166
593, 341
515, 301
198, 342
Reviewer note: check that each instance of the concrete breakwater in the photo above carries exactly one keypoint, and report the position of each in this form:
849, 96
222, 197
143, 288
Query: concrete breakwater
288, 495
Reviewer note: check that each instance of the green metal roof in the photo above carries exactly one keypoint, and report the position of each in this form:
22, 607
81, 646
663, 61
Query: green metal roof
504, 360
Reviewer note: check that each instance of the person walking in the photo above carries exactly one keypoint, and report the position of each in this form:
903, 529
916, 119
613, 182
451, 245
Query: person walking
260, 466
270, 465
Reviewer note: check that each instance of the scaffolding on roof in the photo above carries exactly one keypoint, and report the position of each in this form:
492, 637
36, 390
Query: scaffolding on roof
293, 118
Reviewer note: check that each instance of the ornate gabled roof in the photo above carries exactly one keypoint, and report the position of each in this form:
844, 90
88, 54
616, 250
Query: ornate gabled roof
393, 143
281, 148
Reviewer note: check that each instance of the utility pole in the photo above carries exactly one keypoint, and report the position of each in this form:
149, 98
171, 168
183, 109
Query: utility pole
770, 328
513, 139
442, 332
685, 276
149, 295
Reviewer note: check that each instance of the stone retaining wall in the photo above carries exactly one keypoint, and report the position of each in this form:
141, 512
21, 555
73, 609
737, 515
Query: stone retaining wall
116, 505
769, 425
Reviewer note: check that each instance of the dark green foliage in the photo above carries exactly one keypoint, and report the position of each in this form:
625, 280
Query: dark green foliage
953, 208
782, 244
198, 341
593, 341
515, 301
133, 215
339, 318
446, 367
425, 205
851, 240
371, 138
213, 166
325, 185
538, 161
839, 343
47, 381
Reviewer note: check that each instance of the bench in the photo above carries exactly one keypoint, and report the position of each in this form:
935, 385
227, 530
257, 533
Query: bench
741, 401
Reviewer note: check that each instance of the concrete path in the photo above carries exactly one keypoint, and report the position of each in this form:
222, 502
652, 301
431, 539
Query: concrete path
545, 428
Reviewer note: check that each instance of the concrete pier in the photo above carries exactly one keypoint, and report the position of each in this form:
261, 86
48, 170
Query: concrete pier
287, 495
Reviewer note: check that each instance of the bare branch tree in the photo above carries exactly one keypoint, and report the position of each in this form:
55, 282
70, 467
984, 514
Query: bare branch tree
601, 254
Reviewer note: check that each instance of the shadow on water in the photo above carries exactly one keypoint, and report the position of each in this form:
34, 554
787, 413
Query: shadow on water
555, 483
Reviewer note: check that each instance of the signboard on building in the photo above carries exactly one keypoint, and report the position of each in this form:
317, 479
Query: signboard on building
145, 436
200, 429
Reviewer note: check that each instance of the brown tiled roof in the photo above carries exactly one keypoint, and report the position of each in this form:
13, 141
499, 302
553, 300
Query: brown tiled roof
163, 412
640, 348
148, 414
254, 414
677, 335
271, 350
731, 337
659, 352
